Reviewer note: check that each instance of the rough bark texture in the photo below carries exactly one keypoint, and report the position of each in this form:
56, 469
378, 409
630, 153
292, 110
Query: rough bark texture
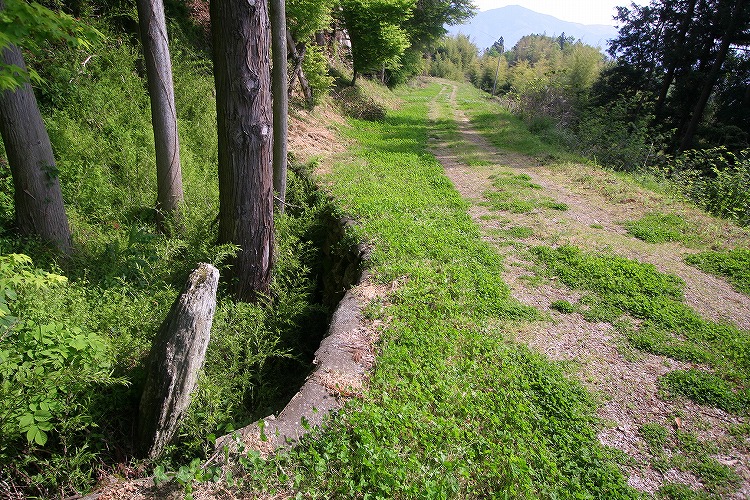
240, 36
177, 355
280, 100
153, 29
38, 199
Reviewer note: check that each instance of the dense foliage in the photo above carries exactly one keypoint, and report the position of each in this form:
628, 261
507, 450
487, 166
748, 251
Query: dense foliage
74, 332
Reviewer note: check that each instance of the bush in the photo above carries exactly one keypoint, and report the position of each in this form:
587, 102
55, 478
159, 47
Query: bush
315, 66
617, 135
355, 104
717, 180
51, 374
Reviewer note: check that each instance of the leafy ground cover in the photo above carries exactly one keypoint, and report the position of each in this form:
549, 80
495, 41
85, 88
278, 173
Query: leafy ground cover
453, 408
732, 264
516, 193
661, 228
72, 350
681, 450
618, 288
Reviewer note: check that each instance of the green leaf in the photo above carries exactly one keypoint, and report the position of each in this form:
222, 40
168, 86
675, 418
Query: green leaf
78, 343
41, 437
160, 475
26, 420
36, 435
42, 415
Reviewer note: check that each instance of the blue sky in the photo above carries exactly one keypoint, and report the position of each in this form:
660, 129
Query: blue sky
577, 11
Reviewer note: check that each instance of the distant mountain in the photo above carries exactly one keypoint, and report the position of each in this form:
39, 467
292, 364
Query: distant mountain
513, 22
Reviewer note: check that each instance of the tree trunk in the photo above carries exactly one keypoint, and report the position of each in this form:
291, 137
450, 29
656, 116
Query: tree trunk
713, 75
38, 199
153, 29
176, 357
320, 38
280, 100
676, 46
297, 51
239, 30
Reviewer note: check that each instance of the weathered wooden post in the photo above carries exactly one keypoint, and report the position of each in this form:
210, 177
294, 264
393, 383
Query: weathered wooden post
176, 356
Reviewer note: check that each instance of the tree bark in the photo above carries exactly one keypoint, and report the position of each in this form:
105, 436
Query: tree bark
239, 30
176, 357
280, 100
38, 198
155, 42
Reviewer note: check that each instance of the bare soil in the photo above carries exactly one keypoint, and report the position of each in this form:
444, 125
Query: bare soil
625, 379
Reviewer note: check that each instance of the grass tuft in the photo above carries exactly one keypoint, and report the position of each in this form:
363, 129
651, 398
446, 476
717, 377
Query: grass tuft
733, 265
661, 228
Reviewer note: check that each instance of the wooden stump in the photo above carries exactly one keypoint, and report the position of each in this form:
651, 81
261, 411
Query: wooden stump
176, 356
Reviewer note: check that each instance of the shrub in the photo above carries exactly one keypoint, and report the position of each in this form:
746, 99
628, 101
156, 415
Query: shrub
617, 135
50, 376
717, 180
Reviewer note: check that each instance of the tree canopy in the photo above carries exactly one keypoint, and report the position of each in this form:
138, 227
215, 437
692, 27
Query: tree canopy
690, 59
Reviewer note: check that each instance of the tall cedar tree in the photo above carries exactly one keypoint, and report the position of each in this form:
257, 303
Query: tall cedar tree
280, 100
240, 34
38, 199
153, 30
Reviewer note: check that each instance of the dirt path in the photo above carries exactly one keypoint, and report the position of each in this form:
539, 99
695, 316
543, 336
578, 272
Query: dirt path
627, 384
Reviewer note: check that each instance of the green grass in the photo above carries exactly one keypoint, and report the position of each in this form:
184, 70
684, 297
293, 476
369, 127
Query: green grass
681, 450
563, 306
662, 228
618, 287
733, 265
707, 388
515, 193
505, 130
655, 436
453, 408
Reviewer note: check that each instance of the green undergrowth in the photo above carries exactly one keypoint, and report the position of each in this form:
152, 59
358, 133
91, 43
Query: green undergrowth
453, 409
515, 193
662, 228
732, 264
682, 450
71, 359
619, 290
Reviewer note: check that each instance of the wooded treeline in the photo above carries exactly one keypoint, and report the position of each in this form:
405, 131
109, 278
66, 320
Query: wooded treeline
669, 97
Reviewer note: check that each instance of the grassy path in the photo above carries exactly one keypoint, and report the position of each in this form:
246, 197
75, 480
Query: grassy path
525, 204
455, 408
